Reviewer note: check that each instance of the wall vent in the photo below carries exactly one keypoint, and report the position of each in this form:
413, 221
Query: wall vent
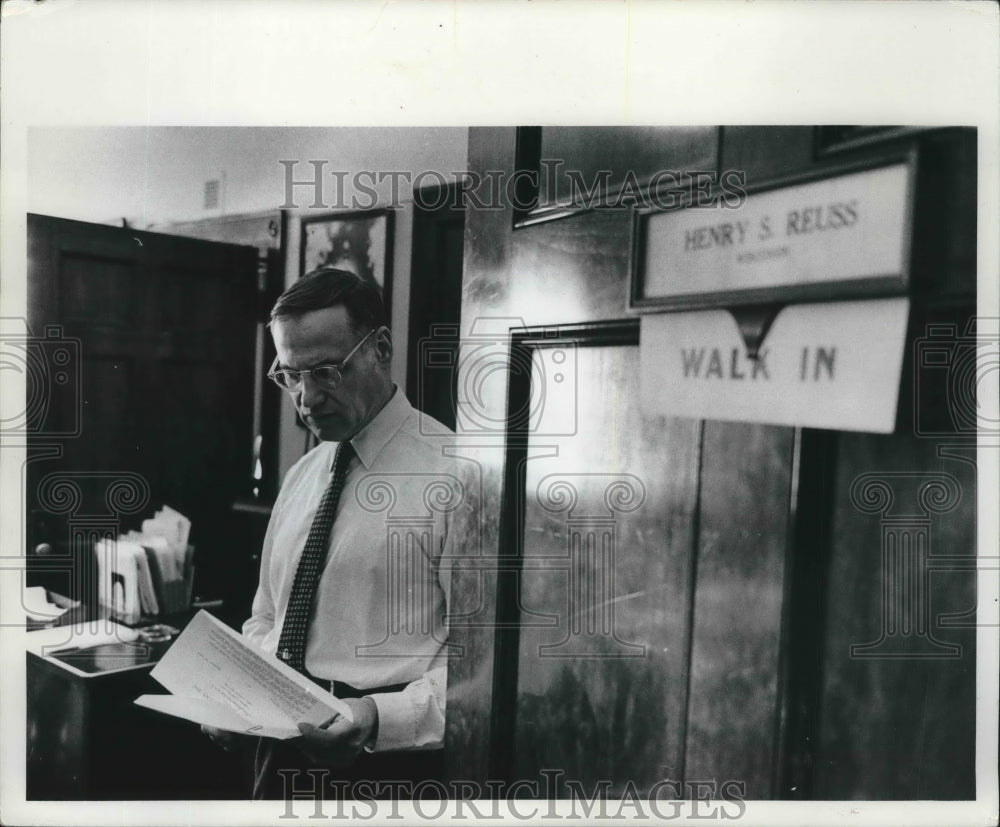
212, 195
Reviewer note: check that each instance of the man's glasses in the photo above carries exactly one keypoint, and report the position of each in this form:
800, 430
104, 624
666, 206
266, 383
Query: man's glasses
326, 376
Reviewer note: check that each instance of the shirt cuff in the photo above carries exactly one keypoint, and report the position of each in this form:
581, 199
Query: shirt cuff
397, 727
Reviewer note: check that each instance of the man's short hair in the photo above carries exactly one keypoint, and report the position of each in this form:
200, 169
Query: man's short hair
330, 287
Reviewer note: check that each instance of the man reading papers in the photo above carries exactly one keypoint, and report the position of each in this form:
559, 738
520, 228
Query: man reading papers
220, 680
354, 573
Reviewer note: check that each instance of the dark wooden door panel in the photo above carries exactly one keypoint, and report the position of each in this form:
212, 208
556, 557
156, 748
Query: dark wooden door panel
164, 329
897, 707
98, 291
601, 159
573, 270
435, 302
736, 638
764, 152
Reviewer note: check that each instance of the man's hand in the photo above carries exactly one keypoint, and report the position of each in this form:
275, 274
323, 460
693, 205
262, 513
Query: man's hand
339, 743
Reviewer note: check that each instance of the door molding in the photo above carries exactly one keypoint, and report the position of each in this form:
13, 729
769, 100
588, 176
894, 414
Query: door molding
523, 343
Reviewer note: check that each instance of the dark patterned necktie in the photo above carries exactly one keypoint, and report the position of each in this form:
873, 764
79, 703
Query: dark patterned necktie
292, 644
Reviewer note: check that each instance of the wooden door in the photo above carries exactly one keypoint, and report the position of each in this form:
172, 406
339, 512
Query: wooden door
640, 629
158, 403
596, 624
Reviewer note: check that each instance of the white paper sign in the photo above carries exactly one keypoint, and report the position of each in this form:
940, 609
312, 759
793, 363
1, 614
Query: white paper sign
845, 228
834, 365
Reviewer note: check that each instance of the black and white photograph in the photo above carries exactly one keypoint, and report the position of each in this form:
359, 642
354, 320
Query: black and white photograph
388, 439
358, 242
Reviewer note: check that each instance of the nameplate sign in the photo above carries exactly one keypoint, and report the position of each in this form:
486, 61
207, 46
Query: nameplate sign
845, 236
831, 365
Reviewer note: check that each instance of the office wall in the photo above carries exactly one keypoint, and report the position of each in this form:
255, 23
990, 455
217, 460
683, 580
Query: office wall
153, 175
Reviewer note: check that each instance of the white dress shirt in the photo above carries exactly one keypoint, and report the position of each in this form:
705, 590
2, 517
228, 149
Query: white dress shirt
381, 602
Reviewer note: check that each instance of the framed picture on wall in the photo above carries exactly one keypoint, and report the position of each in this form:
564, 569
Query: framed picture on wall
357, 241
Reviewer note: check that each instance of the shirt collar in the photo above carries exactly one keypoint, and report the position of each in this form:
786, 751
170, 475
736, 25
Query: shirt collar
370, 440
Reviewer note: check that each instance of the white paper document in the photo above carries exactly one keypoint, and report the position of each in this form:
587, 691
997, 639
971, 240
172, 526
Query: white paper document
83, 635
37, 606
220, 679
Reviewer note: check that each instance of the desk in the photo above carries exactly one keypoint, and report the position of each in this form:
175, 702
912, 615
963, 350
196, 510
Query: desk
86, 740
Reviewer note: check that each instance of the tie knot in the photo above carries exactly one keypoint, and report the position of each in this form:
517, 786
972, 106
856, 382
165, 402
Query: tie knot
345, 452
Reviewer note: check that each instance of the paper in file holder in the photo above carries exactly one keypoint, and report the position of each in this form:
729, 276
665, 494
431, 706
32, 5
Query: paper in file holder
147, 573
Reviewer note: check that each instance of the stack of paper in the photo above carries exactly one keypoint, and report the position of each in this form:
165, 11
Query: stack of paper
148, 572
169, 524
83, 635
37, 606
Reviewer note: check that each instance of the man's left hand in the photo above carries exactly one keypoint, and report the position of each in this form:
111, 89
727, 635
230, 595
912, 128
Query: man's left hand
339, 743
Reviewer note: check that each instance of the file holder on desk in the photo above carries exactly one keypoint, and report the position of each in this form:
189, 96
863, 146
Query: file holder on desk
133, 588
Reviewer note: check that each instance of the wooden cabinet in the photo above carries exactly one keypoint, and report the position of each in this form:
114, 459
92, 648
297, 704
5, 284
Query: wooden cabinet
88, 741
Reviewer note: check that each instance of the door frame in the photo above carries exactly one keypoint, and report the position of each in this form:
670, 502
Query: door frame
524, 342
